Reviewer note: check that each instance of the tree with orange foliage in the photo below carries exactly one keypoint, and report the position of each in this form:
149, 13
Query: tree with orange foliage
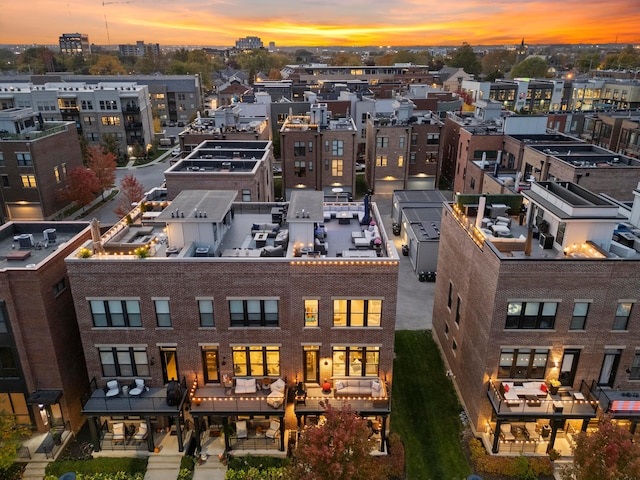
609, 452
339, 449
131, 190
103, 164
81, 188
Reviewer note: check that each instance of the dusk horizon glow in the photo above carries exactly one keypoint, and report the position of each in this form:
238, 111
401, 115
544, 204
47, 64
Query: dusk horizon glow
305, 23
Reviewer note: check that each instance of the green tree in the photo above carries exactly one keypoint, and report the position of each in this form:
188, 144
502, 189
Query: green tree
303, 56
465, 57
36, 60
497, 62
532, 67
8, 60
340, 449
110, 144
11, 436
587, 61
107, 65
345, 58
609, 452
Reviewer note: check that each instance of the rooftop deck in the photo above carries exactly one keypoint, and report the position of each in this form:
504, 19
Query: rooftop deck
250, 231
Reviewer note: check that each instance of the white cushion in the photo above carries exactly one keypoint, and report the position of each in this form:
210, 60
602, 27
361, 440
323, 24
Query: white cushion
139, 383
376, 386
339, 385
112, 384
278, 385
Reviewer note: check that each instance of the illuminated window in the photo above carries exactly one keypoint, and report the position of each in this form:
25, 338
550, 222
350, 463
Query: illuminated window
522, 363
400, 160
356, 361
311, 313
336, 168
56, 173
256, 361
28, 181
357, 313
381, 161
531, 315
111, 121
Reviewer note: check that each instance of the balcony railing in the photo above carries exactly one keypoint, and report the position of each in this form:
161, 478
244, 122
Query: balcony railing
33, 135
574, 403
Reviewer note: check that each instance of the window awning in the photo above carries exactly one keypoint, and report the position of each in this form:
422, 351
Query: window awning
44, 397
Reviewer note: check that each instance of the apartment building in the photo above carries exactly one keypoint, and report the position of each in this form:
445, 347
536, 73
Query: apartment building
311, 73
536, 320
42, 369
222, 297
139, 49
121, 110
402, 149
74, 44
241, 121
243, 166
318, 153
35, 159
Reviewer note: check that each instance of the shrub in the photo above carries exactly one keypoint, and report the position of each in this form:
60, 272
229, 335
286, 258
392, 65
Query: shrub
523, 468
14, 472
98, 465
392, 466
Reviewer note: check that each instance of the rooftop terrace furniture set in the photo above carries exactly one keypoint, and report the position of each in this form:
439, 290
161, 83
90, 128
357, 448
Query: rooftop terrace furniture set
356, 210
367, 237
357, 387
113, 389
249, 385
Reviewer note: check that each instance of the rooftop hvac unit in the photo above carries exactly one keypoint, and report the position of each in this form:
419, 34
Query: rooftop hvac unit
25, 240
49, 235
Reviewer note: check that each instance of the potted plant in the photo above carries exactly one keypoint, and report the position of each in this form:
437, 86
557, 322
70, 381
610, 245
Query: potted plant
554, 454
554, 384
57, 437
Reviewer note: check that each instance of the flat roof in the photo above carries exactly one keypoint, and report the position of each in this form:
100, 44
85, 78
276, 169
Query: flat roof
195, 205
24, 245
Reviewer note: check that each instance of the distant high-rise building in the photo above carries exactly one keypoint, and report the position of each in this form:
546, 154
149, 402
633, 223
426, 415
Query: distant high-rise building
272, 46
139, 49
74, 44
249, 43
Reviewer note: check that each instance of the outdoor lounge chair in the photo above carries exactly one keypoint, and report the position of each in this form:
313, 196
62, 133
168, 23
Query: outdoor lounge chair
118, 433
505, 431
139, 388
113, 388
241, 429
141, 434
274, 428
532, 430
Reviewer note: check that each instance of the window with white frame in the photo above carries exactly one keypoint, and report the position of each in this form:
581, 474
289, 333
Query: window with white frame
115, 313
123, 361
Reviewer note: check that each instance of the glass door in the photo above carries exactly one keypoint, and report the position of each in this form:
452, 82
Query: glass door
169, 358
609, 368
210, 362
568, 367
312, 365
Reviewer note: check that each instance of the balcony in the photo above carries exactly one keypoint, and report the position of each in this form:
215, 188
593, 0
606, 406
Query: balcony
565, 404
133, 126
131, 109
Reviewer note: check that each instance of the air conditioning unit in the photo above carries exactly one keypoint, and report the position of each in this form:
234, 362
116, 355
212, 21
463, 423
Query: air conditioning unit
546, 240
49, 235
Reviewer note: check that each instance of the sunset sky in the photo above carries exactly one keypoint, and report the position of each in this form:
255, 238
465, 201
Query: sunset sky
330, 22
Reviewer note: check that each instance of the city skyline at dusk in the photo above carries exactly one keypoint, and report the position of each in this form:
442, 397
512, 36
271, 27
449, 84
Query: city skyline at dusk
303, 23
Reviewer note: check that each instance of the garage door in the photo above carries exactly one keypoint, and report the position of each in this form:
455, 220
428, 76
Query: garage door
421, 183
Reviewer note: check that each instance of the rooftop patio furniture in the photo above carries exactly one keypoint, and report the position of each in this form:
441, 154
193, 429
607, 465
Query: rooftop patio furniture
505, 431
300, 394
113, 388
141, 434
241, 429
118, 433
139, 387
274, 428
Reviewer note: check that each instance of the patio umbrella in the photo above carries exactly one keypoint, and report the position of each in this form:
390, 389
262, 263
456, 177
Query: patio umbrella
96, 237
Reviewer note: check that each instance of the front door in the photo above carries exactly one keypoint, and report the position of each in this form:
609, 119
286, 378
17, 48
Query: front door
211, 369
568, 367
609, 369
169, 358
311, 366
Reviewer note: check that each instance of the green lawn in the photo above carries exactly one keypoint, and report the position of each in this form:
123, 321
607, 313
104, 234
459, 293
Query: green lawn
425, 410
